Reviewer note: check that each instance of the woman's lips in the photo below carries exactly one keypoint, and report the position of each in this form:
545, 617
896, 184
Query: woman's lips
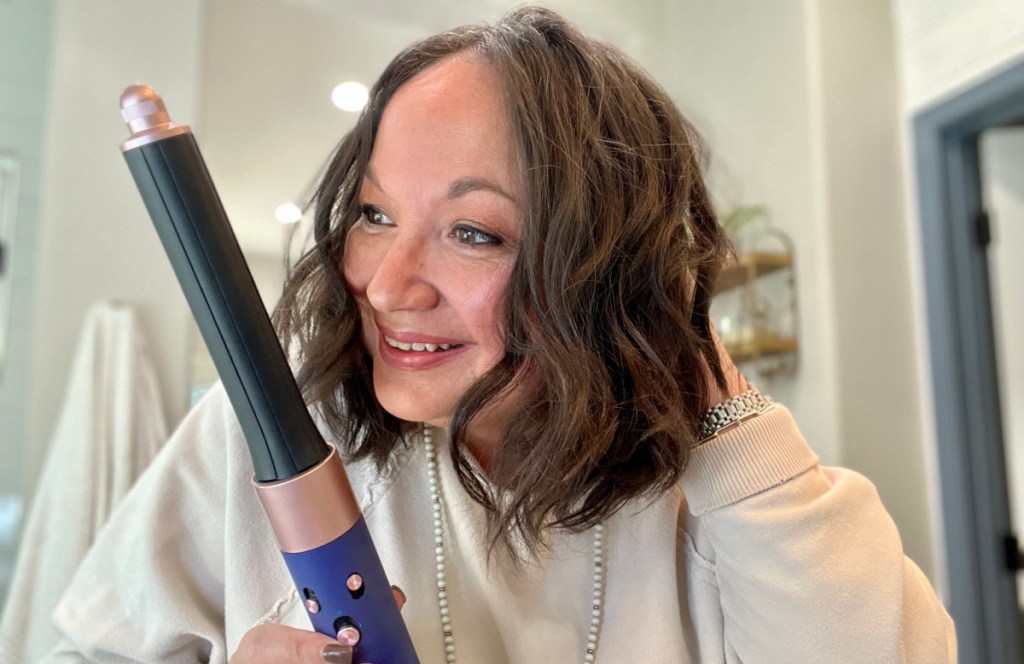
415, 359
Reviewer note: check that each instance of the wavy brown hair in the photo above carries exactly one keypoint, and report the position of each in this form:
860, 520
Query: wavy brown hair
606, 308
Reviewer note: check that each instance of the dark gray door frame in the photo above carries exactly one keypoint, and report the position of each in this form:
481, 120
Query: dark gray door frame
983, 597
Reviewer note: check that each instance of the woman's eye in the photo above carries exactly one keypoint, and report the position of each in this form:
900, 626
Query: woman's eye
375, 217
470, 235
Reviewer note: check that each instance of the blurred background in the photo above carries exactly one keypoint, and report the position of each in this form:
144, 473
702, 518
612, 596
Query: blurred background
808, 108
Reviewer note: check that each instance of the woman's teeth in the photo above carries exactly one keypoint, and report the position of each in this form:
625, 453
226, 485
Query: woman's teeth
430, 348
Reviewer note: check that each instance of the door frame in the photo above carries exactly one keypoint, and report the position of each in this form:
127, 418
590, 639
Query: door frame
976, 512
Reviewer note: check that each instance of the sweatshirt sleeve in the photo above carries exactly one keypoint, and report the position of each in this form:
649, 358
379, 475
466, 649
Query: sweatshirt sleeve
810, 566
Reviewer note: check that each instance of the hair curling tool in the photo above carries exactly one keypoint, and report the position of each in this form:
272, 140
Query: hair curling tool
298, 476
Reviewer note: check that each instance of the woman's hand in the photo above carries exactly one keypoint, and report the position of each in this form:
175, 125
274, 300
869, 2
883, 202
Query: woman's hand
277, 643
265, 644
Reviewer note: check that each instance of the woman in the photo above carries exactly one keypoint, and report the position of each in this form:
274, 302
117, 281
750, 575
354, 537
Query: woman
504, 325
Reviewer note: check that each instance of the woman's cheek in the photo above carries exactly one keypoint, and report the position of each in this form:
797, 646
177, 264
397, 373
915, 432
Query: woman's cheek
485, 300
354, 265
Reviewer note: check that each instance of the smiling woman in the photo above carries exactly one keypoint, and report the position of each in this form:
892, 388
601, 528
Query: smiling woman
504, 327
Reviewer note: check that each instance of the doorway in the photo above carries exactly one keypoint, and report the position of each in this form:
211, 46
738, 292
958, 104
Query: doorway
970, 161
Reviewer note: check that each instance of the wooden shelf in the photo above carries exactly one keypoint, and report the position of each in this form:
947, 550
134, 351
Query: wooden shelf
750, 266
761, 345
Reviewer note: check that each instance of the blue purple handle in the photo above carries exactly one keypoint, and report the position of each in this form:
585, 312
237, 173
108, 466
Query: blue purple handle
322, 574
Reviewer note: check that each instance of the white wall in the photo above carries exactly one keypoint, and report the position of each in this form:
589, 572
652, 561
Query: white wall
879, 410
96, 240
948, 45
741, 70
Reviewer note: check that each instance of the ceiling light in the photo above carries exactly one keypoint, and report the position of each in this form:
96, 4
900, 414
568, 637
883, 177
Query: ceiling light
350, 96
289, 213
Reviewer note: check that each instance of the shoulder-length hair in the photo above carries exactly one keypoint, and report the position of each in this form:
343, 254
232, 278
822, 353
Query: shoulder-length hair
606, 308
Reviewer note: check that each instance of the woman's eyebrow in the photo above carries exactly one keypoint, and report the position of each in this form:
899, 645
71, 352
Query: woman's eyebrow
372, 177
464, 185
458, 187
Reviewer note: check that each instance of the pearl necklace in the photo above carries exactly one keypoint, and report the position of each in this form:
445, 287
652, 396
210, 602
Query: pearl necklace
436, 504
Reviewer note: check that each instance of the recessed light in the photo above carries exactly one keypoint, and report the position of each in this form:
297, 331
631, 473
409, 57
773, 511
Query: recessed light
289, 213
350, 96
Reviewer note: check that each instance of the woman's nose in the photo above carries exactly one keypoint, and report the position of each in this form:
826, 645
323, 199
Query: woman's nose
402, 279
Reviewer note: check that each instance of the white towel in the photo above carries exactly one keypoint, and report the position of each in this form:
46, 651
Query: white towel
110, 427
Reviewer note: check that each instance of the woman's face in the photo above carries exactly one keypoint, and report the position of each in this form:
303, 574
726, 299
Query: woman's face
430, 255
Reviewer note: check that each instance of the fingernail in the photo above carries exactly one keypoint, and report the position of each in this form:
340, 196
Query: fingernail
337, 653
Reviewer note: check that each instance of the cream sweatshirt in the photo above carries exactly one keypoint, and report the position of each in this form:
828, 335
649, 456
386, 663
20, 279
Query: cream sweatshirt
758, 555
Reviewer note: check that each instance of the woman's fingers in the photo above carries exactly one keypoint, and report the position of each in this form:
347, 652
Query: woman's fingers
399, 596
337, 653
736, 382
277, 643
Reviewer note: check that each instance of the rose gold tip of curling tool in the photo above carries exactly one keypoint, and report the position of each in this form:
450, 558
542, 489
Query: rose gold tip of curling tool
144, 112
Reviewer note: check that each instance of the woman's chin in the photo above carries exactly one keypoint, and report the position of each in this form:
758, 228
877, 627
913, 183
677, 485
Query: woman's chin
415, 410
